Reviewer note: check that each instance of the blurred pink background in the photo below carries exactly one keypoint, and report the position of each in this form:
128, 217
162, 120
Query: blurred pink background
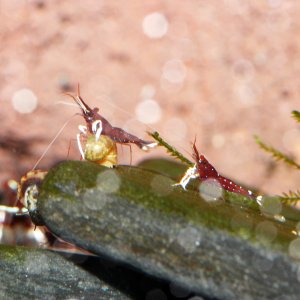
222, 70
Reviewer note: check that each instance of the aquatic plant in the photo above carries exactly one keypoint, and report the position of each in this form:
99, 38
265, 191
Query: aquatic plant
292, 197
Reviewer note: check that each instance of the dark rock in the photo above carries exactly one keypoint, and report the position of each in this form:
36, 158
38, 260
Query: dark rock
224, 249
27, 273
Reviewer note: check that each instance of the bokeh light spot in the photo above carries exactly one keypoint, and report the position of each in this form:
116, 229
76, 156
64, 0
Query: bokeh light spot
247, 94
174, 71
294, 248
161, 185
148, 91
189, 239
108, 181
24, 101
170, 87
241, 224
155, 25
156, 294
148, 111
266, 232
262, 263
271, 206
94, 203
210, 190
275, 3
178, 291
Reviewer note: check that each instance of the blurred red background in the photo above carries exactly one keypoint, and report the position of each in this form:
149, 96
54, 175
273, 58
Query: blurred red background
220, 70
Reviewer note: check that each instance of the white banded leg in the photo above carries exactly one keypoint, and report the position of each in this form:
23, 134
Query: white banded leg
149, 146
97, 129
191, 173
83, 131
13, 210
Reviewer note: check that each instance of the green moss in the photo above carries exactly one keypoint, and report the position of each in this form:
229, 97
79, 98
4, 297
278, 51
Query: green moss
14, 254
167, 167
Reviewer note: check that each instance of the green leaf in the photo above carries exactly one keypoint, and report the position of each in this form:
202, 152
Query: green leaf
276, 153
170, 149
290, 197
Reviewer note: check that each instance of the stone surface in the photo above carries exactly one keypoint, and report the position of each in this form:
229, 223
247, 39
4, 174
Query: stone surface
27, 273
221, 249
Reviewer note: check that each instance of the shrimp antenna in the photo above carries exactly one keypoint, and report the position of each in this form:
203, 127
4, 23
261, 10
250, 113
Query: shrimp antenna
53, 140
196, 155
85, 108
66, 103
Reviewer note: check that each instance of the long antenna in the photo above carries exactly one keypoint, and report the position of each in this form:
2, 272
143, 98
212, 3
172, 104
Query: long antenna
51, 143
66, 103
